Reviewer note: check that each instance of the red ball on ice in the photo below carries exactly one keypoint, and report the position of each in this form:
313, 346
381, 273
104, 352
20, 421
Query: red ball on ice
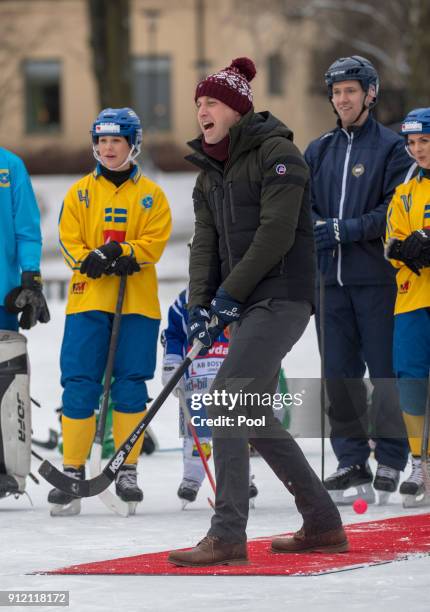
360, 506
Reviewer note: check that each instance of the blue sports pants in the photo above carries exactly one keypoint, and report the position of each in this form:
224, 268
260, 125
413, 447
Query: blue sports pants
83, 359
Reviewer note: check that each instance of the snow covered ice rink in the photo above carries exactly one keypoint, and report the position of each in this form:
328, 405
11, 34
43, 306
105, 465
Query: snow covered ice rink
33, 541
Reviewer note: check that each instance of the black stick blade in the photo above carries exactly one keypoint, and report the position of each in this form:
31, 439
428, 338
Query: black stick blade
79, 488
94, 486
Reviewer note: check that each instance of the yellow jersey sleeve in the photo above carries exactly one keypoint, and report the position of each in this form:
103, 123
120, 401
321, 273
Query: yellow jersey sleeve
72, 243
397, 223
408, 211
149, 246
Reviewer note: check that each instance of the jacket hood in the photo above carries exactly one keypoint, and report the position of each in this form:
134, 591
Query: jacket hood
254, 128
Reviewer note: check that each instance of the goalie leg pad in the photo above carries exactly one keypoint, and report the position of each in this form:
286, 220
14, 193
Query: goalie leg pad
15, 408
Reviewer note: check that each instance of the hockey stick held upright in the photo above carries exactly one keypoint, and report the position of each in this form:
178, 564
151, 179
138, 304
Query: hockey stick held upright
111, 501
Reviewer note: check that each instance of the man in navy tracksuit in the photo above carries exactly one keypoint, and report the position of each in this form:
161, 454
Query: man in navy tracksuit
355, 169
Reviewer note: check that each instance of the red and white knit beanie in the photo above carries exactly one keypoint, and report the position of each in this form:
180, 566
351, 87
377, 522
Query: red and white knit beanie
230, 85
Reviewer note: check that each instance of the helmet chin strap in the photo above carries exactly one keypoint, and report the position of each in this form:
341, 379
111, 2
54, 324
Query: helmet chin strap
409, 153
363, 109
134, 152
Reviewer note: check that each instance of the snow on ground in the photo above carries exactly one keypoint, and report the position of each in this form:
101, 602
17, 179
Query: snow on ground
32, 540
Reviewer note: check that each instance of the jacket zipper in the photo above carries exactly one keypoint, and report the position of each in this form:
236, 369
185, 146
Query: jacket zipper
342, 200
214, 196
231, 200
224, 221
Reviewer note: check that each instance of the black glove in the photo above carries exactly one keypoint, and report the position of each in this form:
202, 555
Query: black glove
395, 251
198, 322
29, 300
124, 266
225, 308
100, 259
416, 244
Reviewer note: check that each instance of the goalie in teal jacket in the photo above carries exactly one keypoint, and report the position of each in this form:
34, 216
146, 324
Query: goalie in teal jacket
20, 248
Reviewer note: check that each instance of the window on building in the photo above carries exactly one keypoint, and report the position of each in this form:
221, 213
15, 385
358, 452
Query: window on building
275, 75
42, 95
152, 91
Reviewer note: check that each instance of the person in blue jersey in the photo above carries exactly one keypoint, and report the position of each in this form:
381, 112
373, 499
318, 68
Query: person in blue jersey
22, 305
354, 171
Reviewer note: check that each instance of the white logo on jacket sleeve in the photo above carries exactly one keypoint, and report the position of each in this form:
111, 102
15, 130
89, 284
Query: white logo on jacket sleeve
281, 169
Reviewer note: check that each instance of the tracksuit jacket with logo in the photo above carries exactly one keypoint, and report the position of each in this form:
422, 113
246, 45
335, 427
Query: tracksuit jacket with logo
353, 177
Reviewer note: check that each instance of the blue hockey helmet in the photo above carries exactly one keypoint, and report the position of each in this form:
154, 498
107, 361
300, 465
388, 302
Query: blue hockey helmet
417, 121
118, 122
354, 68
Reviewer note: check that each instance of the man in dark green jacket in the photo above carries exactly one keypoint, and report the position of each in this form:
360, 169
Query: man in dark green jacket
251, 267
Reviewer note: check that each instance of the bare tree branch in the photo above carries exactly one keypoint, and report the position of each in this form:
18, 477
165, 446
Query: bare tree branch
369, 48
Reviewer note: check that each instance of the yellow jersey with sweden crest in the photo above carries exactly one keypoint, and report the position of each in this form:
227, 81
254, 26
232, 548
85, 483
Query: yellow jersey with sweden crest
137, 215
409, 210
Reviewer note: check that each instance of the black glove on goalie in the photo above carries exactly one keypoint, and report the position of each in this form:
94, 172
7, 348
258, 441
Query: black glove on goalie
29, 300
124, 266
100, 259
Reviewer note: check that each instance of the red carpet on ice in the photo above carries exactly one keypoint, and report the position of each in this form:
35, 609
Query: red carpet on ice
372, 543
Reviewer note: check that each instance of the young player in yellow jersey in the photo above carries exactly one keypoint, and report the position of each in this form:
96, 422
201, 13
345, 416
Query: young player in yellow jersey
113, 221
408, 248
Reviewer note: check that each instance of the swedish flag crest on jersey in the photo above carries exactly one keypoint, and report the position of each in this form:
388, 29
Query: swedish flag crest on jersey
147, 201
4, 178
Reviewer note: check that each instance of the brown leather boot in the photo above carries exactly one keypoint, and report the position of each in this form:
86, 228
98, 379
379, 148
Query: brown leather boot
333, 541
211, 551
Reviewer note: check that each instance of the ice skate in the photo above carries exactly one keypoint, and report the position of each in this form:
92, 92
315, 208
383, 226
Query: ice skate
187, 492
386, 482
126, 487
413, 489
350, 483
64, 504
8, 486
253, 492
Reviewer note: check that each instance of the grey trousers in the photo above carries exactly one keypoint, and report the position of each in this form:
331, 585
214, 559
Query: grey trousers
265, 333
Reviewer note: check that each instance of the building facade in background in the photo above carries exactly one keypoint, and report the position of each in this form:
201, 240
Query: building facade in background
48, 93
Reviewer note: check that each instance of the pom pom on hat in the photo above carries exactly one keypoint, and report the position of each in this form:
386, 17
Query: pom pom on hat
245, 66
231, 85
